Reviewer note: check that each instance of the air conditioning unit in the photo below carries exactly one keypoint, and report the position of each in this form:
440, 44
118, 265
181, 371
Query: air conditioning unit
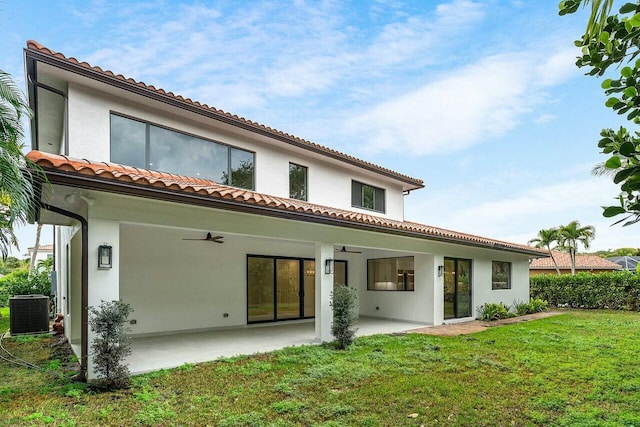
28, 314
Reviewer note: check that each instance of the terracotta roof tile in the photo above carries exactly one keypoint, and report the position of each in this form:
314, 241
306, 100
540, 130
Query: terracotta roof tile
33, 45
583, 262
185, 184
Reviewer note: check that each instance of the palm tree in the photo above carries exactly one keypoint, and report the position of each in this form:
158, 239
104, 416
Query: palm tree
16, 189
571, 235
545, 239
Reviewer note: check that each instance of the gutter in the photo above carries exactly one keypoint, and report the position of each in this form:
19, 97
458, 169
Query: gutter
119, 187
84, 323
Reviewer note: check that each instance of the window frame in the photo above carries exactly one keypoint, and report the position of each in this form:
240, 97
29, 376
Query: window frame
493, 279
361, 196
404, 283
306, 181
147, 145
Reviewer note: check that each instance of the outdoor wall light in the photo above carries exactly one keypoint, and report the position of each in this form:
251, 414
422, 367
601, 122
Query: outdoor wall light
440, 270
105, 257
328, 266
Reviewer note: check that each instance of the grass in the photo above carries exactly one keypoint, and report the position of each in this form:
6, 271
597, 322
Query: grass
581, 368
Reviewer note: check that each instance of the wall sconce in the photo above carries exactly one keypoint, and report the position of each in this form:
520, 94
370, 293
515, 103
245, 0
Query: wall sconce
328, 266
440, 270
105, 257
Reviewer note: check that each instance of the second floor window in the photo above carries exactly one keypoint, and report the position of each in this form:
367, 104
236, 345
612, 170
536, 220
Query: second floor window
298, 185
367, 197
144, 145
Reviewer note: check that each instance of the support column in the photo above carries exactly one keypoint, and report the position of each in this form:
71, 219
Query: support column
104, 285
438, 290
324, 287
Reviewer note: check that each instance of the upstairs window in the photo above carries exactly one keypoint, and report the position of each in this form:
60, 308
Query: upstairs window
367, 197
144, 145
298, 185
500, 275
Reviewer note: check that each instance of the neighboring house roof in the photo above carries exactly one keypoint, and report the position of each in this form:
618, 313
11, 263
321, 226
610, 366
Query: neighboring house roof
41, 248
130, 180
41, 53
626, 262
583, 262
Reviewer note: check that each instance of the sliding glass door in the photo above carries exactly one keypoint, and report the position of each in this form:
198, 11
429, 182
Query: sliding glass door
280, 288
457, 288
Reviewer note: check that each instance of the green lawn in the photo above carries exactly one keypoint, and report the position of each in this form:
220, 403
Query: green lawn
581, 368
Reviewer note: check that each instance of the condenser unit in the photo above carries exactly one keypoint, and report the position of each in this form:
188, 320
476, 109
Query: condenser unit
28, 314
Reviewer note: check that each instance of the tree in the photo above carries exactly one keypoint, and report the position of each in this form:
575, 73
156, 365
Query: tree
16, 189
614, 39
344, 302
36, 247
111, 344
545, 239
572, 235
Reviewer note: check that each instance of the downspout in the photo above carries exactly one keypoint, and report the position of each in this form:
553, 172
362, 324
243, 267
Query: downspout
84, 327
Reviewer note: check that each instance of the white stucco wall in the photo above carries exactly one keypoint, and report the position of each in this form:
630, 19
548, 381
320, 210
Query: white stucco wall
329, 182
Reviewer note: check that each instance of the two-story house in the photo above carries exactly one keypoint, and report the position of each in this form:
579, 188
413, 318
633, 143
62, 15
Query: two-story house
202, 220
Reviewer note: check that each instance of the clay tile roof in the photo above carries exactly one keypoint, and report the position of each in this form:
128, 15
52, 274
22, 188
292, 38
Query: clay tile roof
186, 185
583, 262
34, 46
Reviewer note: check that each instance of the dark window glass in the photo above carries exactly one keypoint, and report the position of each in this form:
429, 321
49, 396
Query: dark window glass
367, 196
182, 154
139, 144
390, 274
242, 169
297, 182
128, 142
500, 275
260, 277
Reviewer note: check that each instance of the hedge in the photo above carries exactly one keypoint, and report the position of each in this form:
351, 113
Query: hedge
618, 290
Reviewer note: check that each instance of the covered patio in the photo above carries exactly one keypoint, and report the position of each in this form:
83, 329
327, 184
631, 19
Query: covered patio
170, 351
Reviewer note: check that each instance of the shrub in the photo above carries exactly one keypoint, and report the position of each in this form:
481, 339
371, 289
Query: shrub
533, 306
537, 305
19, 283
344, 303
521, 308
111, 344
615, 290
490, 311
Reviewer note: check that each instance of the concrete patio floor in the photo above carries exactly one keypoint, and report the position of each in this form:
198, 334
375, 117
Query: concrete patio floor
170, 351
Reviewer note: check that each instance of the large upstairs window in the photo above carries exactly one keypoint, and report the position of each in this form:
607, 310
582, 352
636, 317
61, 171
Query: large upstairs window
367, 197
298, 184
145, 145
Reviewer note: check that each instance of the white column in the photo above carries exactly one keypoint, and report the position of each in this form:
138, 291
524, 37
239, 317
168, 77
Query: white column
438, 290
104, 285
324, 287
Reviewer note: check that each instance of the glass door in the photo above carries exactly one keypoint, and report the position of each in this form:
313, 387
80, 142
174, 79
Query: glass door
280, 288
457, 288
288, 288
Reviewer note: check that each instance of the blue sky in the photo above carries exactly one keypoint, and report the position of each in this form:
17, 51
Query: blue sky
480, 99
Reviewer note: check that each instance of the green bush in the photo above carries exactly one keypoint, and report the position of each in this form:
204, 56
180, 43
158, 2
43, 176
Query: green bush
615, 290
521, 308
345, 315
111, 344
19, 283
534, 306
491, 311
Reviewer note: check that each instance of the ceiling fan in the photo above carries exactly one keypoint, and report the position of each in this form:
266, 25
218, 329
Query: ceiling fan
210, 238
345, 251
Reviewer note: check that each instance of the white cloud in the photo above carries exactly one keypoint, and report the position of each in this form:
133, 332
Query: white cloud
475, 103
518, 217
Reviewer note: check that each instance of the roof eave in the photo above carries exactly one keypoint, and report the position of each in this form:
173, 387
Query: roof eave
132, 189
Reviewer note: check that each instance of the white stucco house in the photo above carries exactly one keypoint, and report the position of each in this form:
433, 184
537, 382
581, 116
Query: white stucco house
209, 221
